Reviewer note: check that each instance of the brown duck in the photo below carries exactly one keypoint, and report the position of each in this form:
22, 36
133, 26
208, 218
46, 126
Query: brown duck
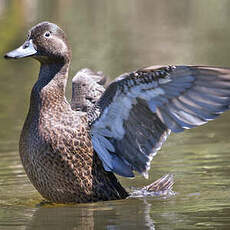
70, 155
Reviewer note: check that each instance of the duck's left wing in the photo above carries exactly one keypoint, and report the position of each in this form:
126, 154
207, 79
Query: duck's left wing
138, 110
87, 88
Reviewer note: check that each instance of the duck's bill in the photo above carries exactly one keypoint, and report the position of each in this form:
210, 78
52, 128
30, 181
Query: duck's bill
26, 50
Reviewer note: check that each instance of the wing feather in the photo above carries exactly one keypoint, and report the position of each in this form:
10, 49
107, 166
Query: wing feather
87, 88
136, 113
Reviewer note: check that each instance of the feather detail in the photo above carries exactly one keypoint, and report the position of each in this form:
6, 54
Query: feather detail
138, 110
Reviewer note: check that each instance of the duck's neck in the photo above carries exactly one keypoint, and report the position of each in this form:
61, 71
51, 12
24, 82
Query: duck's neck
49, 90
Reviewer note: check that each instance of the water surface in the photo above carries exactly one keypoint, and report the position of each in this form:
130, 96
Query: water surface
115, 37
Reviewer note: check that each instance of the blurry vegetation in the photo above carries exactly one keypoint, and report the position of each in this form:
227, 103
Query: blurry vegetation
11, 23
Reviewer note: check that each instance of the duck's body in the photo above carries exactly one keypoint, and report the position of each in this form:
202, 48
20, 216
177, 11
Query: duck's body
56, 148
70, 156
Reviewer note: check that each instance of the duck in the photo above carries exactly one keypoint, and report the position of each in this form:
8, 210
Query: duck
71, 152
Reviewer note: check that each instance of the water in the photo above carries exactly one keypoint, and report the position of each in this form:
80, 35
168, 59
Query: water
119, 36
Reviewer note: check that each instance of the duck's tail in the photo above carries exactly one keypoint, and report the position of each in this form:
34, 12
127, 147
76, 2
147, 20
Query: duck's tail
161, 187
164, 183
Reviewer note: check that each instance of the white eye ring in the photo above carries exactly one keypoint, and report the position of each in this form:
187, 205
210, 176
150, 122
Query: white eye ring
47, 34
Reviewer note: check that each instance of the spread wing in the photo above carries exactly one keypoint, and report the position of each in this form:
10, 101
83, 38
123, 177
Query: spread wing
138, 110
87, 88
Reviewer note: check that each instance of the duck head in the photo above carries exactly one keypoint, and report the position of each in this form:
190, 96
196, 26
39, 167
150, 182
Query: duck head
45, 42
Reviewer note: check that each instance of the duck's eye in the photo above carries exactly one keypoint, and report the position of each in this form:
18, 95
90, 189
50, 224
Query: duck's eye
47, 34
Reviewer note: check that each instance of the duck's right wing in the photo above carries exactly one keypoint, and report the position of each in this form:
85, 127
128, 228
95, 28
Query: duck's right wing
135, 114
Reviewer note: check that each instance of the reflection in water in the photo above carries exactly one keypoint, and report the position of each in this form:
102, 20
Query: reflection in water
107, 215
148, 220
62, 218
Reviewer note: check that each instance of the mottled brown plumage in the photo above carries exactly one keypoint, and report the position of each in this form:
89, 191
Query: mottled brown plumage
70, 156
